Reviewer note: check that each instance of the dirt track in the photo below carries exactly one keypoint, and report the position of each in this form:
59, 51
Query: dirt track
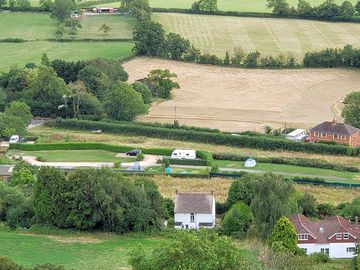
234, 99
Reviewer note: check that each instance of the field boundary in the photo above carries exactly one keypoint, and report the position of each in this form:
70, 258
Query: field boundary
251, 15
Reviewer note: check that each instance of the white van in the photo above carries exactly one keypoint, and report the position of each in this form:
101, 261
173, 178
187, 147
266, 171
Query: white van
183, 154
14, 139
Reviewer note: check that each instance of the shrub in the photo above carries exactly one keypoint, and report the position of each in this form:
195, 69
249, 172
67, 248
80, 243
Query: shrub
320, 257
237, 220
140, 157
192, 162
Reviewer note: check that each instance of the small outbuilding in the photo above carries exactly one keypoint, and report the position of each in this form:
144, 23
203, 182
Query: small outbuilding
194, 210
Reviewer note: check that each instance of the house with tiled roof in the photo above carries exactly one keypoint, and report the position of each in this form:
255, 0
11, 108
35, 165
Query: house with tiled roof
336, 132
194, 210
334, 236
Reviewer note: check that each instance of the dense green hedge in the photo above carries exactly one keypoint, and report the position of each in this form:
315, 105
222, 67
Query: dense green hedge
191, 162
304, 162
206, 137
204, 155
86, 146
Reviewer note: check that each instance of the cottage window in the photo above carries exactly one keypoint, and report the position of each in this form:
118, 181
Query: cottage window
323, 135
343, 137
336, 136
339, 236
325, 251
303, 237
316, 134
346, 236
192, 218
350, 249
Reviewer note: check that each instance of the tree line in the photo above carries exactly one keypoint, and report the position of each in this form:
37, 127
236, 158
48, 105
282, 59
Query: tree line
328, 10
93, 89
85, 199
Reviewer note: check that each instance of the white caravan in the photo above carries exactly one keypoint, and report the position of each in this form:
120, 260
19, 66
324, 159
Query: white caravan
183, 154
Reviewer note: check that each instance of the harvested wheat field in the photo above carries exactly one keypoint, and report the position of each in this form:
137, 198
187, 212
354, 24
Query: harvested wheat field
168, 186
233, 99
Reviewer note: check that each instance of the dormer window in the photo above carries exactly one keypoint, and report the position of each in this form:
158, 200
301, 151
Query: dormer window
336, 136
346, 236
323, 135
343, 137
339, 236
321, 229
302, 237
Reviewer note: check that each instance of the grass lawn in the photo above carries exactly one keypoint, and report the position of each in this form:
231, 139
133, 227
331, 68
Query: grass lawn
73, 252
39, 26
21, 53
224, 5
75, 156
218, 34
268, 167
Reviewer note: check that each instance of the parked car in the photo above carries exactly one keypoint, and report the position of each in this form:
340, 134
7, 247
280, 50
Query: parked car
133, 152
14, 139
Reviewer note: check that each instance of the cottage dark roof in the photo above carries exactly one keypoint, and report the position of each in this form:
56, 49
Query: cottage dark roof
337, 128
194, 203
322, 230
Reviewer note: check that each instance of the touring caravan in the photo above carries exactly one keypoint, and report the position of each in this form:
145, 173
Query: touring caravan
183, 154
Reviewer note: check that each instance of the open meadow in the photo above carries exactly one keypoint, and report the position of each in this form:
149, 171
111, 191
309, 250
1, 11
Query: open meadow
37, 29
218, 34
232, 99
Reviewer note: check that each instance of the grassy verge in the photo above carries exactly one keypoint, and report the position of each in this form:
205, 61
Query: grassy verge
268, 167
74, 156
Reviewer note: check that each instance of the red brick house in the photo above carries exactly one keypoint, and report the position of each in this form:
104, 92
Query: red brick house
336, 132
334, 236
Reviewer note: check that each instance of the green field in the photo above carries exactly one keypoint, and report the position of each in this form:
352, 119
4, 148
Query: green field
75, 156
74, 252
218, 34
281, 168
224, 5
38, 27
12, 54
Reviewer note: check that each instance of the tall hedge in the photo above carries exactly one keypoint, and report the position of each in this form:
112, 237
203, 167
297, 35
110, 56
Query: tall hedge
206, 137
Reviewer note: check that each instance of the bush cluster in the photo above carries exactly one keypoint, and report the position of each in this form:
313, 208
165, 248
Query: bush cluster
304, 162
192, 162
211, 138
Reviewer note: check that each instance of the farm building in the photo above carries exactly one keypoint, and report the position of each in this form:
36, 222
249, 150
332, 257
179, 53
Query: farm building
194, 210
336, 132
296, 135
334, 236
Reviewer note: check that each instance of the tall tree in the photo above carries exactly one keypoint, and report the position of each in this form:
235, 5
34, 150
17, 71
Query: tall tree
283, 237
279, 7
237, 220
15, 119
304, 9
149, 38
271, 201
176, 46
357, 7
2, 3
347, 10
161, 82
95, 80
351, 111
77, 91
140, 9
241, 190
124, 103
61, 9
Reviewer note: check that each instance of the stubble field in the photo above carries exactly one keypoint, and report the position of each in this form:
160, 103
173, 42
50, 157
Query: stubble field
218, 34
233, 99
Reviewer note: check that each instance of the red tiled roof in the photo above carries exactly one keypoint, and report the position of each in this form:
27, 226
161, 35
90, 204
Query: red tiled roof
336, 128
322, 230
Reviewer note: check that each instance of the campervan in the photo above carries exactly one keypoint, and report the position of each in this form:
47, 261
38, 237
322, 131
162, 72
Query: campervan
183, 154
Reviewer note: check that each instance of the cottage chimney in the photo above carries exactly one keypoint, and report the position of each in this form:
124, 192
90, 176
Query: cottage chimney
334, 121
177, 191
357, 220
212, 192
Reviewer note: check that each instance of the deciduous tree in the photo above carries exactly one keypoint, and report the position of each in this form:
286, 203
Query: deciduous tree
351, 111
149, 38
237, 220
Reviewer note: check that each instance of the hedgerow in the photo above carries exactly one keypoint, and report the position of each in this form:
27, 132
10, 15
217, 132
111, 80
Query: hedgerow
206, 137
191, 162
304, 162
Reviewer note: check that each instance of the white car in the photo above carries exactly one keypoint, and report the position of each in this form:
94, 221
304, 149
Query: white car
14, 139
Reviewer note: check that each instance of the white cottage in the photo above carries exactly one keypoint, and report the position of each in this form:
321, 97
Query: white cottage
194, 210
